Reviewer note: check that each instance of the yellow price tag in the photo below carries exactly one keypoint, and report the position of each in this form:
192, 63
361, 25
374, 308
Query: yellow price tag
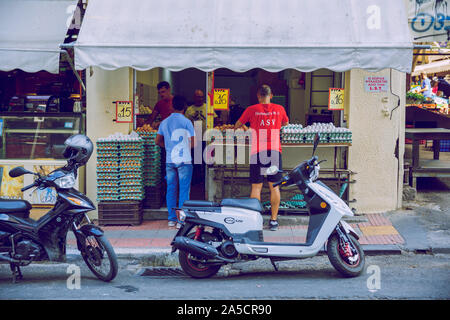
336, 99
124, 111
221, 99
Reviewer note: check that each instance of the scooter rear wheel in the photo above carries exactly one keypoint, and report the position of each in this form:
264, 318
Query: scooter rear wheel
348, 266
195, 268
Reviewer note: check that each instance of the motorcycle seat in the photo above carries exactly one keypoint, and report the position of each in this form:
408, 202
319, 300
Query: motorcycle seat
19, 208
246, 203
200, 204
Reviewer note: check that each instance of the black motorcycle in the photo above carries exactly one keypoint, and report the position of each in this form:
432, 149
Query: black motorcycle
24, 240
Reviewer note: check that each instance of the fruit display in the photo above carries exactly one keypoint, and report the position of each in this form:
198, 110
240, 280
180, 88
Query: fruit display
145, 110
295, 133
119, 167
146, 128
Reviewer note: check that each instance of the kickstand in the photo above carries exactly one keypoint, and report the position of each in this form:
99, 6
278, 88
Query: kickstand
274, 265
16, 272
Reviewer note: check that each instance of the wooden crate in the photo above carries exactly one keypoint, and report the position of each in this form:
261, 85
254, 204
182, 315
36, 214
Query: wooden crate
153, 196
120, 213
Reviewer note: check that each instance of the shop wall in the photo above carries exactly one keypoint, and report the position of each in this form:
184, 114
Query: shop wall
147, 82
378, 186
103, 87
297, 103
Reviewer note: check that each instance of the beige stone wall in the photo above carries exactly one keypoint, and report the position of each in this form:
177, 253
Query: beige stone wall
378, 186
103, 87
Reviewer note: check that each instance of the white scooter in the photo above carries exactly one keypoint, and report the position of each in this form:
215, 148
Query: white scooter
215, 234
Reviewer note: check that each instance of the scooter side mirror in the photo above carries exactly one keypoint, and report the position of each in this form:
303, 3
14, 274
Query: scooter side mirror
18, 171
316, 142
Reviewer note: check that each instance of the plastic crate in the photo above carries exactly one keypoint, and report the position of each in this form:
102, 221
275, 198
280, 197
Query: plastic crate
445, 146
120, 213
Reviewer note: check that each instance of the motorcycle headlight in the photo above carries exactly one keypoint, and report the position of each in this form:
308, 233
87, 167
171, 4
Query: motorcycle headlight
66, 182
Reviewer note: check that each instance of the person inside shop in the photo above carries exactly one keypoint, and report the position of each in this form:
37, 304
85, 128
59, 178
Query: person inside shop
176, 135
426, 86
266, 120
236, 110
164, 106
198, 112
441, 88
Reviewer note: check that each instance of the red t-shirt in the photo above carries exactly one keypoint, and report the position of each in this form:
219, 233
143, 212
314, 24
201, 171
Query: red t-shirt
265, 122
164, 107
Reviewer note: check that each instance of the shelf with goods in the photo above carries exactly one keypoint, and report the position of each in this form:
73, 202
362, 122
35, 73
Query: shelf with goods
152, 175
291, 134
119, 178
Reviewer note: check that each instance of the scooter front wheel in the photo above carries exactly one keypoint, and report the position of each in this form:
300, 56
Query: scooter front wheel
100, 257
348, 263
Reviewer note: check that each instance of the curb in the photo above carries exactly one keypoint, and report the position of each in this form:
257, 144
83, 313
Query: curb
164, 257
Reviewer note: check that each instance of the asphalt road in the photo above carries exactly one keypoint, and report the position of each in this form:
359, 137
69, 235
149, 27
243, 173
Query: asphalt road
406, 276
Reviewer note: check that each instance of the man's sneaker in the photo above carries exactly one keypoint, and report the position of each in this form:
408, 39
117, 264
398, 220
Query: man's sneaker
178, 225
172, 223
273, 225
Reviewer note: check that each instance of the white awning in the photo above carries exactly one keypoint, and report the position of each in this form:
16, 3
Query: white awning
244, 34
31, 32
433, 67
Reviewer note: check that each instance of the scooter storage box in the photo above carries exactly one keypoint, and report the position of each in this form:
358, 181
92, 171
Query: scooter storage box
120, 213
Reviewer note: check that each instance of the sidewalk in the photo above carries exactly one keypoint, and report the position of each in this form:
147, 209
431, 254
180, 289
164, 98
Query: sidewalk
377, 236
421, 226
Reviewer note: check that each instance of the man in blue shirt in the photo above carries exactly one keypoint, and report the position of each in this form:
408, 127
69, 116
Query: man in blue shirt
426, 86
176, 135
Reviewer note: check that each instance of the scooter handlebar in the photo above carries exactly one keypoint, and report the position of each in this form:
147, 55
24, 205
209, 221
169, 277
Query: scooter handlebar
34, 184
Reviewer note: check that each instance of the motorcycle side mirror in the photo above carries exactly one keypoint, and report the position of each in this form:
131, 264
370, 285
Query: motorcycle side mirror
272, 170
18, 171
316, 142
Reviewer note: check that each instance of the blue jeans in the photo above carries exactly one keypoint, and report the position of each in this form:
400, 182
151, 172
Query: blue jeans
177, 175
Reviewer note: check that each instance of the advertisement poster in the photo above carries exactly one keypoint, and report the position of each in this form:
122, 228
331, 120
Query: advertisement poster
10, 187
47, 195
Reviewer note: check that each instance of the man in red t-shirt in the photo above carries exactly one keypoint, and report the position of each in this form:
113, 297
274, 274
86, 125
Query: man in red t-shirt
266, 120
163, 106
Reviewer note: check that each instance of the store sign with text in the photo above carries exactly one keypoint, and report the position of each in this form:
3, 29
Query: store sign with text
376, 84
336, 99
221, 99
124, 111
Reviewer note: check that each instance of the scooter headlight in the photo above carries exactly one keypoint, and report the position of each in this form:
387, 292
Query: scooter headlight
66, 182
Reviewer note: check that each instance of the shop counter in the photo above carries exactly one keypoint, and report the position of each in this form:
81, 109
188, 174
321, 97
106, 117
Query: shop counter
427, 168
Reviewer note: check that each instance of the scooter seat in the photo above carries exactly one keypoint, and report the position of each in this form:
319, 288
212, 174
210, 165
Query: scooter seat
200, 203
246, 203
19, 208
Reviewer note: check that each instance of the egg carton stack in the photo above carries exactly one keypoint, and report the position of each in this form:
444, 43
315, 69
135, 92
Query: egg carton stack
296, 202
119, 168
152, 177
295, 133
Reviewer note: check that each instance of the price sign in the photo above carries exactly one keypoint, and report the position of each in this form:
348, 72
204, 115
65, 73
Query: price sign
221, 99
336, 99
124, 111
